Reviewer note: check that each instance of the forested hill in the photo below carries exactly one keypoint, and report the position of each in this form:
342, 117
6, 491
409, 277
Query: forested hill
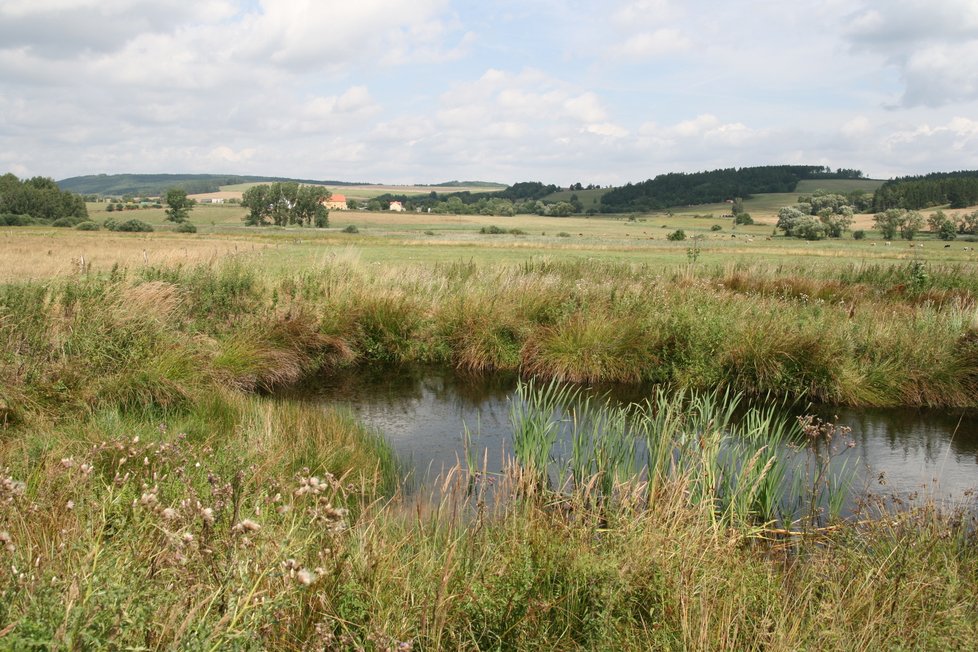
155, 184
683, 189
958, 189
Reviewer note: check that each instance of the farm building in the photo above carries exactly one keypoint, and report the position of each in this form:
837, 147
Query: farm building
336, 202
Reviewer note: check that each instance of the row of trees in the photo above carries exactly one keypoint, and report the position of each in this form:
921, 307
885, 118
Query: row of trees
949, 227
286, 203
908, 224
454, 205
522, 197
957, 189
41, 199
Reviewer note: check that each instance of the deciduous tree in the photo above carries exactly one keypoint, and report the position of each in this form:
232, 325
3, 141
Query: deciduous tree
178, 205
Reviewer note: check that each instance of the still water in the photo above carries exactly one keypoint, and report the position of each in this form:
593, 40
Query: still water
424, 413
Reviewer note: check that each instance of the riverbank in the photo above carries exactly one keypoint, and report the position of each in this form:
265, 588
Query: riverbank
158, 338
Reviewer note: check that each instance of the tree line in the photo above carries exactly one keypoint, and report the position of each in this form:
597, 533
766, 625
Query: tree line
522, 197
38, 200
956, 189
690, 188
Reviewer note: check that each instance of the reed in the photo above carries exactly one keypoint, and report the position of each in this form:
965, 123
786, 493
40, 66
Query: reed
749, 470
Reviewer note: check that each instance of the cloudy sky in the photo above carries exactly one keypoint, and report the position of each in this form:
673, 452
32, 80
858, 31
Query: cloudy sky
405, 91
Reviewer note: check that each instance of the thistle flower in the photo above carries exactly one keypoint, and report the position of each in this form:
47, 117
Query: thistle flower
247, 525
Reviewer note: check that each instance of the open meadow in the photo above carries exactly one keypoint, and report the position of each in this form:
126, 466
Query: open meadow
156, 492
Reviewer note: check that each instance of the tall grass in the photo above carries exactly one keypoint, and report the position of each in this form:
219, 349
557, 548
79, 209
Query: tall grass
128, 534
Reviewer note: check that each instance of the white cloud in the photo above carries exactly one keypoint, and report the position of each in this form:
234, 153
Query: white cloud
325, 35
856, 127
607, 129
641, 13
932, 45
225, 154
586, 107
661, 42
393, 90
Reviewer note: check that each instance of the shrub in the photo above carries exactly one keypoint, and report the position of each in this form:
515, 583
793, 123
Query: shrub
947, 231
186, 227
563, 234
64, 222
743, 218
132, 226
808, 228
11, 219
859, 235
429, 233
716, 227
492, 230
87, 225
677, 235
351, 228
517, 232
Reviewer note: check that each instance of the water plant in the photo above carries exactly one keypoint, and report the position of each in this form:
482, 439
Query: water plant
749, 468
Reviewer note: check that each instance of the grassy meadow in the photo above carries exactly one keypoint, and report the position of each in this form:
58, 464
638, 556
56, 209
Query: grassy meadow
156, 494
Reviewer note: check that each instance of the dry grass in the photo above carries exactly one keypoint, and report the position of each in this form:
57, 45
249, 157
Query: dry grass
32, 254
223, 194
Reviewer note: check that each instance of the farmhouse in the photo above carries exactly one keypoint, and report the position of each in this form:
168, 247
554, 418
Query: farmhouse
396, 206
336, 202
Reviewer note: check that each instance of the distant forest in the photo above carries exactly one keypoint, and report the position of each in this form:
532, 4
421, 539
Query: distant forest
117, 185
957, 189
684, 189
518, 192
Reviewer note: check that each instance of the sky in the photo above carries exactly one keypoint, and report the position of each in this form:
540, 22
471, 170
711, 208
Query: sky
424, 91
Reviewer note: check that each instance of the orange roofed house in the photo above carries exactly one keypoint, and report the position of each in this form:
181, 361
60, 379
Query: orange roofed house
335, 202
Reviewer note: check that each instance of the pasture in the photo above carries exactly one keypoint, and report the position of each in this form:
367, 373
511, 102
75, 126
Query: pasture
424, 238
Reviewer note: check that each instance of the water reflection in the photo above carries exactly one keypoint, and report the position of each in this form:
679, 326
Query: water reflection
424, 412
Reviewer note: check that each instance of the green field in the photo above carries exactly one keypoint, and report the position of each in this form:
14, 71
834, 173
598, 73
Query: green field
590, 198
396, 237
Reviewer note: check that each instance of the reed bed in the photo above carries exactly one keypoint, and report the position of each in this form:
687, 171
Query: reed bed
160, 337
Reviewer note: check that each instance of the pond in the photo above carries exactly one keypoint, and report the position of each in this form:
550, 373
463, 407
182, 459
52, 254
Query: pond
423, 413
